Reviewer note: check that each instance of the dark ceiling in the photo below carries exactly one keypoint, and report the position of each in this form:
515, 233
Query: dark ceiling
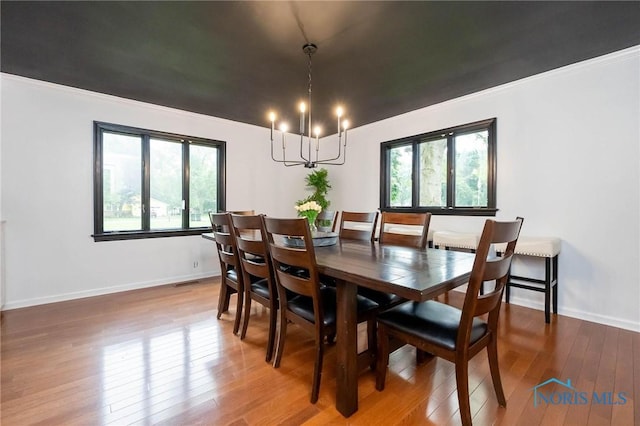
236, 60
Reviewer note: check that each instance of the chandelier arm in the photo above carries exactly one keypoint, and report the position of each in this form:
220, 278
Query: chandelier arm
301, 154
286, 162
329, 161
339, 150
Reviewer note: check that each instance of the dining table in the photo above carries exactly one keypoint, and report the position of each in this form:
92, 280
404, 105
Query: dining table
414, 274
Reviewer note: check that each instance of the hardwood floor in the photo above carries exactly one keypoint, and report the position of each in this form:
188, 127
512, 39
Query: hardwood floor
159, 356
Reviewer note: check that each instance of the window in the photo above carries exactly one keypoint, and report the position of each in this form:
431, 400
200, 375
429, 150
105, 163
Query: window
153, 184
451, 171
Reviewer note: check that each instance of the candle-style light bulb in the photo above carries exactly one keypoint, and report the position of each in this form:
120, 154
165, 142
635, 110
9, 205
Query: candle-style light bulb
345, 126
283, 128
303, 108
339, 112
272, 118
317, 130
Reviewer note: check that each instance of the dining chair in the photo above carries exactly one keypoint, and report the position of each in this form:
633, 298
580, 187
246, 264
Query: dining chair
231, 281
362, 226
455, 334
311, 305
404, 229
257, 273
358, 225
327, 216
242, 212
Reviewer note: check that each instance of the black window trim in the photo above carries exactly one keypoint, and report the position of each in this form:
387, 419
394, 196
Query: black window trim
385, 147
146, 134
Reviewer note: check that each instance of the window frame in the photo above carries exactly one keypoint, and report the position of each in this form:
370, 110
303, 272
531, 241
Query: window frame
146, 135
450, 209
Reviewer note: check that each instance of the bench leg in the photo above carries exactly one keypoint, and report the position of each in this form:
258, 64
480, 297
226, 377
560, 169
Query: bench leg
547, 290
555, 287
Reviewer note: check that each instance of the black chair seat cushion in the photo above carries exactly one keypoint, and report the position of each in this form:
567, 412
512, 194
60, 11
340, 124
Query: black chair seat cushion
303, 306
232, 275
431, 321
381, 298
261, 288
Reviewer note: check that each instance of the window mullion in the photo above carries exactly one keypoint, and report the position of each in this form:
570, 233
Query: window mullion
146, 183
415, 187
186, 170
451, 176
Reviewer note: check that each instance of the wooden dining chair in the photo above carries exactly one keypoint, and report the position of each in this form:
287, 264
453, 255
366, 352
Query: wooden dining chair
242, 212
231, 281
257, 273
326, 220
457, 334
358, 225
404, 229
362, 226
310, 305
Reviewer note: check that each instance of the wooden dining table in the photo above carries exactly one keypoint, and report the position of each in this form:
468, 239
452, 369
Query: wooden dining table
414, 274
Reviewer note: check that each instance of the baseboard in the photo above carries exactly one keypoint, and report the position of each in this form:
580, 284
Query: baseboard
578, 314
179, 280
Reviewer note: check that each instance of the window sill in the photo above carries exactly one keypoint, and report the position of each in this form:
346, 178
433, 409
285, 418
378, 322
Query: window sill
445, 211
136, 235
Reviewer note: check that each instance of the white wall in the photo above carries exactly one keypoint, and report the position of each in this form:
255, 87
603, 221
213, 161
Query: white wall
568, 161
47, 193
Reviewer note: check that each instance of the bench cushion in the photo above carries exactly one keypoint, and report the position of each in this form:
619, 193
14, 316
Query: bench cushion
534, 246
464, 240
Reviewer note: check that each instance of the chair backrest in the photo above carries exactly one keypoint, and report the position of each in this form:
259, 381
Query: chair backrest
330, 216
489, 269
358, 225
242, 212
253, 249
404, 229
225, 241
290, 259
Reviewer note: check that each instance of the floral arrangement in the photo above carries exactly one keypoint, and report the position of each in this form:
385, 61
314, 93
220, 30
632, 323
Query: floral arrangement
310, 210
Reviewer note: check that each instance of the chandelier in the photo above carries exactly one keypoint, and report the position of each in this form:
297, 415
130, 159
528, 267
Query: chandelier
307, 143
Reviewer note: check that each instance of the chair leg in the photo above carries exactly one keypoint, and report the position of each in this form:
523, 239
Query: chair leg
317, 369
422, 356
223, 299
382, 357
236, 323
462, 382
372, 342
245, 320
282, 332
492, 351
273, 316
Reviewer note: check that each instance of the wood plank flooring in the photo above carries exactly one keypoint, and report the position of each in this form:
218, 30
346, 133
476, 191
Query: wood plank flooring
159, 356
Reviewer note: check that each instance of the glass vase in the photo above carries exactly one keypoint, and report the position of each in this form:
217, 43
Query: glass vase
311, 217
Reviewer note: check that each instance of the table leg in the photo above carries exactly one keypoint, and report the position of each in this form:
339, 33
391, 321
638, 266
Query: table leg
346, 349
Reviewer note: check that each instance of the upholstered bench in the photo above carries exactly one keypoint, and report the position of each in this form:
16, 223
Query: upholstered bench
459, 240
547, 248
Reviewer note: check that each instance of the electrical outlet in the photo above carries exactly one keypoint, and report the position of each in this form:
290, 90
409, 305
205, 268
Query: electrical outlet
195, 263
